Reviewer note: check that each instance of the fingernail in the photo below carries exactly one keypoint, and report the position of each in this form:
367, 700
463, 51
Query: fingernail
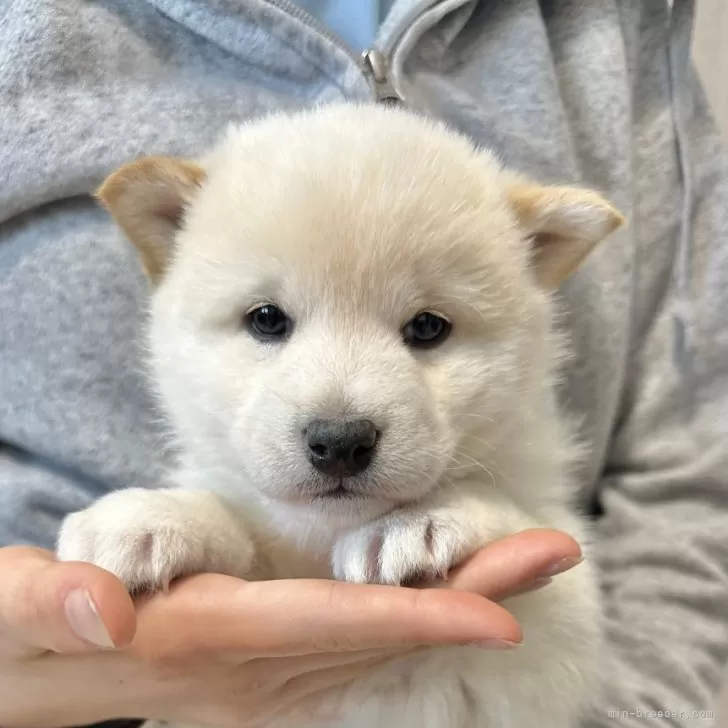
561, 566
535, 585
497, 644
83, 618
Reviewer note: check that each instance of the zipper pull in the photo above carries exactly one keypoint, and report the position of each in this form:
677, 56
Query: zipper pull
377, 68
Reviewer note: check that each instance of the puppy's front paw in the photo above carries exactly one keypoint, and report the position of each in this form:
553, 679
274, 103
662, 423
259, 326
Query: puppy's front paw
147, 538
401, 549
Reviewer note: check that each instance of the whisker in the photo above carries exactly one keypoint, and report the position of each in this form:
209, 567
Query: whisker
476, 415
480, 465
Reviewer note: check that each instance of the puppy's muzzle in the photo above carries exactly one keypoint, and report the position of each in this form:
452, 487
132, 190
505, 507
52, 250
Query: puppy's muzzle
341, 448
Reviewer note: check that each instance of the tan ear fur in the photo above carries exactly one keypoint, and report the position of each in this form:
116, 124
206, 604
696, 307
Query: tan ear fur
565, 224
147, 199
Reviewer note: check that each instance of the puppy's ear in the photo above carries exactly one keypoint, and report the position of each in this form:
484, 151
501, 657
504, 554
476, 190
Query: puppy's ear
147, 199
564, 223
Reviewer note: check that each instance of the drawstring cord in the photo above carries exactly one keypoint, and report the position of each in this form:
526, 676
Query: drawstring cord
679, 47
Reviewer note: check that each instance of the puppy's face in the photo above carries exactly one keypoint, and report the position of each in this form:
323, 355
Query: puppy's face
348, 299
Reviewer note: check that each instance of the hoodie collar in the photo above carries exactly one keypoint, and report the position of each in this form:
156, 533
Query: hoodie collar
284, 40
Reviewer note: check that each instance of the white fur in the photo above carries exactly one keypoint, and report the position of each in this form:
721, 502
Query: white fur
354, 219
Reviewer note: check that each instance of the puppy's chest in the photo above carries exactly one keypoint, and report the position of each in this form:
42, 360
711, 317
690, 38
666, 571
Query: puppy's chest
278, 557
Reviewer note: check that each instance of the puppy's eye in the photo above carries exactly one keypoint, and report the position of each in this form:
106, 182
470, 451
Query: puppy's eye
426, 330
268, 322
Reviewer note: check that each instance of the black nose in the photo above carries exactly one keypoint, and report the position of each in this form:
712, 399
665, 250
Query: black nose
341, 447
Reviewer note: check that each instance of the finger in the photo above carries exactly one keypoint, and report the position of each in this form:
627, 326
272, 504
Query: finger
283, 669
217, 613
516, 563
64, 607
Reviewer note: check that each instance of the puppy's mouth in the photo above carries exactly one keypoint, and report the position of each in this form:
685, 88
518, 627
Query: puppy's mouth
338, 491
319, 490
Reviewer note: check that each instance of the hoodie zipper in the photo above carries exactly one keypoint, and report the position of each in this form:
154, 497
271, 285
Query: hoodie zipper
375, 66
372, 62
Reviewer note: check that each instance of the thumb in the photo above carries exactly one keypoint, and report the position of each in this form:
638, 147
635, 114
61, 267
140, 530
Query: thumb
63, 607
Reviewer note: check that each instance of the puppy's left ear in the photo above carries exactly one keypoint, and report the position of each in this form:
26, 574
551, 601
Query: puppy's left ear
564, 224
147, 199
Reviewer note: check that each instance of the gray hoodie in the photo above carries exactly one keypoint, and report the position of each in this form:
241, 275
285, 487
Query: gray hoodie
598, 92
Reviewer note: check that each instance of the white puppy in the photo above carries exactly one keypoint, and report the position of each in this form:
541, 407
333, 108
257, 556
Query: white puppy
351, 333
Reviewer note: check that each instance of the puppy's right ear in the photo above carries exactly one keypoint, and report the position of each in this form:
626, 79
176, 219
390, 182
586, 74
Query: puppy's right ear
148, 199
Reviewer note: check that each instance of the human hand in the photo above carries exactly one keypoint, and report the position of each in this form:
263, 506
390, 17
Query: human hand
221, 651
